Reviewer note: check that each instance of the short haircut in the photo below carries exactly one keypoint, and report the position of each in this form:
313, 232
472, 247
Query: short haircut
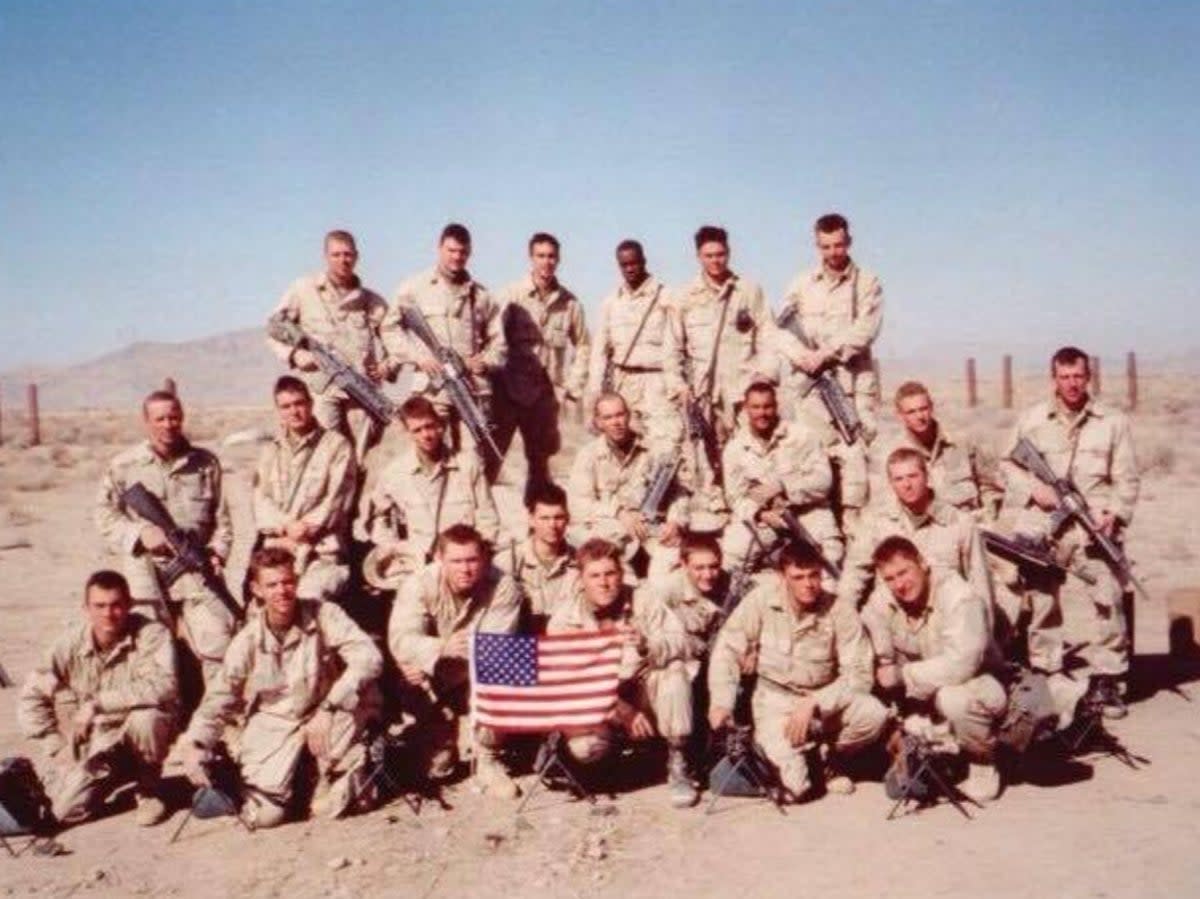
106, 579
595, 550
1069, 355
799, 554
341, 237
760, 385
909, 389
159, 396
544, 237
894, 546
418, 407
460, 535
906, 454
699, 543
630, 244
291, 384
545, 494
270, 557
606, 397
831, 223
456, 232
711, 234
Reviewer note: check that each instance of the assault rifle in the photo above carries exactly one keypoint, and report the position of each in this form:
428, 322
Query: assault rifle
455, 380
661, 480
799, 533
358, 386
5, 679
700, 427
1073, 507
190, 555
1027, 552
837, 403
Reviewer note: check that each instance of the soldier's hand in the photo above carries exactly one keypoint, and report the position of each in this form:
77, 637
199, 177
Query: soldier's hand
193, 760
412, 675
477, 364
304, 360
887, 675
670, 534
640, 727
634, 524
317, 731
81, 721
456, 646
772, 518
762, 493
429, 365
719, 717
1044, 496
810, 361
218, 564
748, 660
153, 539
795, 728
294, 531
1107, 523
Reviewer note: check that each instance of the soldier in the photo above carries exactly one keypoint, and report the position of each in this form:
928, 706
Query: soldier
627, 357
813, 666
839, 307
948, 537
609, 480
1090, 443
423, 491
542, 318
188, 481
303, 675
655, 689
304, 488
933, 648
772, 467
464, 317
117, 672
958, 472
435, 613
694, 593
543, 564
334, 307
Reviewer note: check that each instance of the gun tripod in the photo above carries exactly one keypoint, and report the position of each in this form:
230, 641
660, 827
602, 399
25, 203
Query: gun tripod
1088, 734
552, 767
380, 749
747, 761
924, 784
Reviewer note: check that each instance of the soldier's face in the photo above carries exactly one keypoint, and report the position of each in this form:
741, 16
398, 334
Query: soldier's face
601, 582
295, 411
462, 566
803, 584
340, 259
426, 433
834, 249
543, 259
703, 570
275, 588
548, 524
164, 425
909, 481
1071, 383
612, 420
906, 578
108, 614
714, 258
632, 266
916, 412
453, 255
762, 411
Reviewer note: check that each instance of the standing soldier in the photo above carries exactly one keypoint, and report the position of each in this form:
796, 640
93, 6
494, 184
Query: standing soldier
628, 352
542, 319
187, 479
543, 565
117, 675
838, 306
304, 489
335, 309
464, 318
1089, 443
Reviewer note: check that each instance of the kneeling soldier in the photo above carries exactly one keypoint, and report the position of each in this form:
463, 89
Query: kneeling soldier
813, 666
118, 670
933, 647
302, 673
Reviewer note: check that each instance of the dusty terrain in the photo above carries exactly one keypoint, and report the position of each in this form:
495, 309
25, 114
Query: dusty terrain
1108, 831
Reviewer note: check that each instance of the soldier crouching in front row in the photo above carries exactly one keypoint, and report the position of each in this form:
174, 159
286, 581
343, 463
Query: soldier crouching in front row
117, 672
304, 675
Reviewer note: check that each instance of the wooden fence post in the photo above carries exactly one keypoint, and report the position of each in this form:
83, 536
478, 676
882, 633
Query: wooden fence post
972, 387
1131, 374
1095, 369
35, 425
1006, 387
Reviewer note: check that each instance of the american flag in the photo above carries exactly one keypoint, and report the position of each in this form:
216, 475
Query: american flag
536, 684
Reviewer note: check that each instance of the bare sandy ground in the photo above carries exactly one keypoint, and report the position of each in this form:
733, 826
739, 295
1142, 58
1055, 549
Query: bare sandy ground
1108, 832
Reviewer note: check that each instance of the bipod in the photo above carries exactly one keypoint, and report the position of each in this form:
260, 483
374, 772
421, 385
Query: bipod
914, 788
749, 762
220, 797
379, 748
552, 764
1090, 735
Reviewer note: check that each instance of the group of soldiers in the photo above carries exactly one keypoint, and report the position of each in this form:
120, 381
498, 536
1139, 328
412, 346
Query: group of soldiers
720, 518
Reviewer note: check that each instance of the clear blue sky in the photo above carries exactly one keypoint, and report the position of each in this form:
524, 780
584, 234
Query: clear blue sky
1020, 174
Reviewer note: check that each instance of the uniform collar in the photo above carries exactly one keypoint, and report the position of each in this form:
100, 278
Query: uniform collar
412, 462
559, 564
647, 288
175, 463
821, 273
312, 438
941, 442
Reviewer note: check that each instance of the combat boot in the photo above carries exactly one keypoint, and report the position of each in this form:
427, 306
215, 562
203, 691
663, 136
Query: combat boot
150, 810
679, 782
492, 778
982, 783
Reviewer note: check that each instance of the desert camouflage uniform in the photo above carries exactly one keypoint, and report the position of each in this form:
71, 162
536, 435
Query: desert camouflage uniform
657, 683
1095, 450
636, 368
465, 319
945, 655
958, 472
348, 322
700, 615
190, 487
310, 478
539, 331
544, 585
135, 693
426, 615
323, 661
819, 653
